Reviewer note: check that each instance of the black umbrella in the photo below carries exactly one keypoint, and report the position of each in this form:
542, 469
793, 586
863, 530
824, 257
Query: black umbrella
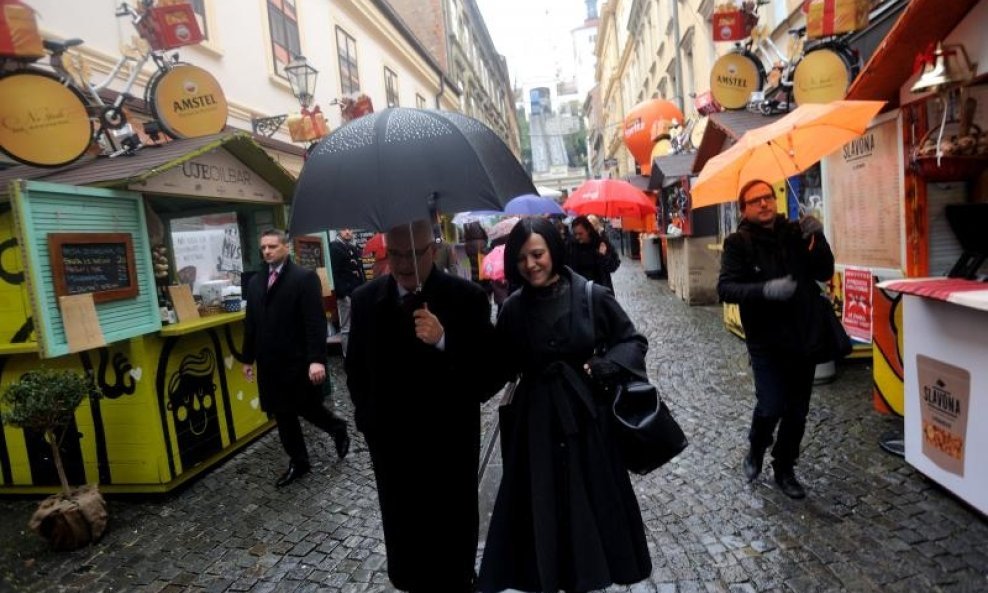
399, 165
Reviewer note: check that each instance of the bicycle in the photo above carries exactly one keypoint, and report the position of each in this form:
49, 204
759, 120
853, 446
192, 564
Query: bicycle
77, 99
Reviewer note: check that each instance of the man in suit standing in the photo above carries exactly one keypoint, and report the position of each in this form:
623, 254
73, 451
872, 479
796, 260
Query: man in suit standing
416, 375
348, 274
285, 335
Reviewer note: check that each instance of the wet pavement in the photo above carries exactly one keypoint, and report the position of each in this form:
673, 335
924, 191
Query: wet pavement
870, 522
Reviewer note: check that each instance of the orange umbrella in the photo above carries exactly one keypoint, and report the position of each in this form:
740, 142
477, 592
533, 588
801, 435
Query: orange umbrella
610, 198
783, 148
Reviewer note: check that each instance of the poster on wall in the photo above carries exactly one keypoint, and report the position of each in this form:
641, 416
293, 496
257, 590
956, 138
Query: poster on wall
208, 255
863, 183
857, 312
945, 392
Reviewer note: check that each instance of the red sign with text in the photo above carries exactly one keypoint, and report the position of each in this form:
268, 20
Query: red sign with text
857, 316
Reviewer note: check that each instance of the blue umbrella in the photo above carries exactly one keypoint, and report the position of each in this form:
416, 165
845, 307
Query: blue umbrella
530, 205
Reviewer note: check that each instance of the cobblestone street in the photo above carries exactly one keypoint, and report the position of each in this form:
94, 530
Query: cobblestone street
870, 522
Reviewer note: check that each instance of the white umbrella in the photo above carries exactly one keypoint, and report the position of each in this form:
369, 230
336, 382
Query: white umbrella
548, 192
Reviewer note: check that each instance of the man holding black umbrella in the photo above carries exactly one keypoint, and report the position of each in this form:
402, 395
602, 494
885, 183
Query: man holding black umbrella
416, 377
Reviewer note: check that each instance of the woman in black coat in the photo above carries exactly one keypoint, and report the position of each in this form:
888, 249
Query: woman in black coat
566, 516
590, 254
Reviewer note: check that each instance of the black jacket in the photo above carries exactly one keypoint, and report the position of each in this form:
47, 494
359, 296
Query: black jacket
752, 256
585, 259
419, 410
285, 331
348, 270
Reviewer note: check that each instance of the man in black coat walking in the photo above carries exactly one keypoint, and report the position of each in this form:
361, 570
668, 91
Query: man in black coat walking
771, 267
285, 335
416, 373
348, 274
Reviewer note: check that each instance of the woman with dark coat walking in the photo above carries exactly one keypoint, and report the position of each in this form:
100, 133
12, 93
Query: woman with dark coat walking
590, 254
566, 516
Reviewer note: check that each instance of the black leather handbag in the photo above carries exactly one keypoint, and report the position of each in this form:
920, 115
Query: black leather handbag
647, 434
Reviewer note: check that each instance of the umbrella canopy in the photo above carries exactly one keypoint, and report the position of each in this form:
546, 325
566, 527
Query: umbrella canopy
475, 216
399, 165
610, 198
374, 247
532, 205
502, 228
493, 263
783, 148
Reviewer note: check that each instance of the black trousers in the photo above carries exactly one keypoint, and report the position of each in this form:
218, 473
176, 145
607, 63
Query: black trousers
783, 383
290, 429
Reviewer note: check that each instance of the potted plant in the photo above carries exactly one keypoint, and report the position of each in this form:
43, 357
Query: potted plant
45, 400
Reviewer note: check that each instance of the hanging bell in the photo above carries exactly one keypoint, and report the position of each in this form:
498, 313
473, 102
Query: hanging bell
951, 67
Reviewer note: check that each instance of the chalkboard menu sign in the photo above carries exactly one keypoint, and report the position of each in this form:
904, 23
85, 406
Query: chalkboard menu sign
97, 263
308, 252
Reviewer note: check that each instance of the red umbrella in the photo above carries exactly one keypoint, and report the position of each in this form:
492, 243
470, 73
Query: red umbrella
610, 198
374, 247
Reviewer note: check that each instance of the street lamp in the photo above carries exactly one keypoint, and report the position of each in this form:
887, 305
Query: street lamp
302, 79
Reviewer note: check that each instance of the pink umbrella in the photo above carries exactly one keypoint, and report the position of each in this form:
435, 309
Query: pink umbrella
493, 264
502, 228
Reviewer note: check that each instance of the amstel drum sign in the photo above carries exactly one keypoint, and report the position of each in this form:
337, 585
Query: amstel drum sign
188, 102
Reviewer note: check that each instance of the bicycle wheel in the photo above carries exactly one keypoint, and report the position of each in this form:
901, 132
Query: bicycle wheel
45, 122
187, 101
734, 77
823, 75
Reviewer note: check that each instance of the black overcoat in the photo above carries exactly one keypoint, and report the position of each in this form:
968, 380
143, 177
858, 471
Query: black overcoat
419, 410
754, 255
285, 331
566, 516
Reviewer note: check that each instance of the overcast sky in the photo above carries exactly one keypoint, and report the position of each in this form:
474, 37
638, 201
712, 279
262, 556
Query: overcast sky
525, 31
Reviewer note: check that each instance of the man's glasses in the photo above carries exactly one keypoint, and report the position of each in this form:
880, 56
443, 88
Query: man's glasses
767, 198
408, 255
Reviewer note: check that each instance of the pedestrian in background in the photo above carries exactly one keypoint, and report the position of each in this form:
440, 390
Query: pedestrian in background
590, 255
348, 274
566, 516
771, 267
285, 334
416, 367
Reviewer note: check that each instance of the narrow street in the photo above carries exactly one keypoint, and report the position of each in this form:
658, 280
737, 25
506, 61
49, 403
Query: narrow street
870, 522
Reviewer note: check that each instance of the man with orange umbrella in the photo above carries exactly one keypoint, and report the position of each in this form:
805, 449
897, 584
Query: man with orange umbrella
771, 267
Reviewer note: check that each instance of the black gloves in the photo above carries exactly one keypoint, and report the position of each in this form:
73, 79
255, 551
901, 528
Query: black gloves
810, 226
603, 371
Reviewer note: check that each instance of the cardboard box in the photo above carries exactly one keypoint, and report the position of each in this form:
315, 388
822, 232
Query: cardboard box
305, 127
19, 36
170, 26
732, 25
833, 17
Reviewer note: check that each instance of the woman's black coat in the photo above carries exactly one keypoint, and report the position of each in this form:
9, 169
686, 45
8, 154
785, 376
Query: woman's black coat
285, 331
585, 259
566, 516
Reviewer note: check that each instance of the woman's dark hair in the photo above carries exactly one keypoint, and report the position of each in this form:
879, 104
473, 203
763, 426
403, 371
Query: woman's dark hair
591, 230
525, 228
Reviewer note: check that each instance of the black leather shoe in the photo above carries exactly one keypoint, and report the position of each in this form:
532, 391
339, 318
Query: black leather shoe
789, 485
342, 440
294, 471
752, 465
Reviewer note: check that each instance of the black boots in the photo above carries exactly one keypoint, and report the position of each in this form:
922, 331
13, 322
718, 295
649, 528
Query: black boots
753, 464
786, 480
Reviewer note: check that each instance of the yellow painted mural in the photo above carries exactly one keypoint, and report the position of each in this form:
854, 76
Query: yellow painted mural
889, 387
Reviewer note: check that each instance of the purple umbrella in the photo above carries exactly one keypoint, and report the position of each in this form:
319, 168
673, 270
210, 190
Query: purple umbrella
532, 205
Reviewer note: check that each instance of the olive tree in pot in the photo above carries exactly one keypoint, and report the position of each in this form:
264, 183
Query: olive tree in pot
45, 400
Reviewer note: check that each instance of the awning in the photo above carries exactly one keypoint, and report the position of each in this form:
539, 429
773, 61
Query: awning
666, 170
639, 181
124, 170
921, 23
723, 130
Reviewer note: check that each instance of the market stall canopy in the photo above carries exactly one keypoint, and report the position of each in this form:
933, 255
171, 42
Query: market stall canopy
151, 161
639, 182
724, 129
921, 23
667, 170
